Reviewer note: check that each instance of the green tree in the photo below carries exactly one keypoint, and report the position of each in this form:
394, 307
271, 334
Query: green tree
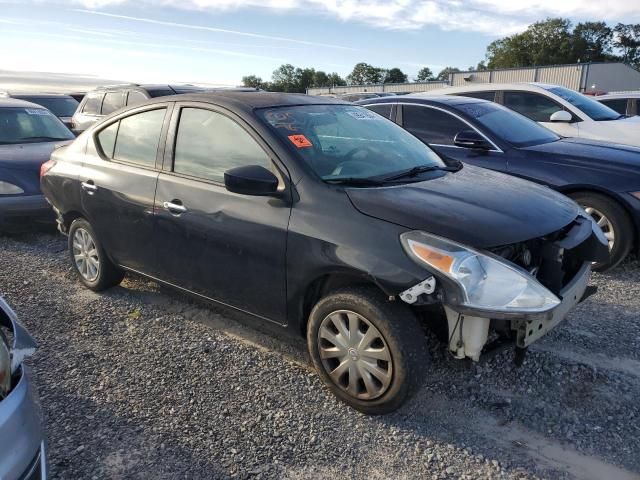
424, 75
364, 74
592, 42
336, 80
252, 81
395, 75
321, 79
627, 39
444, 73
284, 79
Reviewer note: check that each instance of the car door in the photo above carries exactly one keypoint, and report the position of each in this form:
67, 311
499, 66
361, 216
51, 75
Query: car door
119, 177
88, 112
539, 108
225, 246
438, 128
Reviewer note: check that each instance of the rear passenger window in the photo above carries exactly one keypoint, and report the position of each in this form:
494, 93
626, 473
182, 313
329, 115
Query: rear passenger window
93, 104
138, 137
484, 95
209, 143
431, 125
384, 110
107, 139
136, 98
532, 105
112, 102
617, 104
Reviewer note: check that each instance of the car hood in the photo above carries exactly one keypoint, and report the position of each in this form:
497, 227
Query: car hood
28, 155
473, 206
601, 155
625, 130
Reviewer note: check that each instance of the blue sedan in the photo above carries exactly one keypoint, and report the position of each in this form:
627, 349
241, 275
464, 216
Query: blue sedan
28, 135
602, 177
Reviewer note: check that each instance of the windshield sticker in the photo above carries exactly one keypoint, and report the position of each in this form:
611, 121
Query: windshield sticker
300, 141
37, 111
364, 115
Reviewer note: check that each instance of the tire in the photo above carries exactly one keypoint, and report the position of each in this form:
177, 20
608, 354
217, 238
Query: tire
614, 220
396, 331
100, 273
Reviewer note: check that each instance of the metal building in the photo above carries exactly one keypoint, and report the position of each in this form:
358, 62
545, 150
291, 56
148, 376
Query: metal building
583, 77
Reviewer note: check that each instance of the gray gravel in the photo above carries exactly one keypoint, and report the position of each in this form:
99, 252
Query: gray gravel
140, 382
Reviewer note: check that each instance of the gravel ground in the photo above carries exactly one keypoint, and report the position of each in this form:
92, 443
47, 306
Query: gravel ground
141, 382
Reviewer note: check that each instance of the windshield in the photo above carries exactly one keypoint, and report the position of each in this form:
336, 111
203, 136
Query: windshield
59, 106
344, 141
30, 125
590, 107
508, 125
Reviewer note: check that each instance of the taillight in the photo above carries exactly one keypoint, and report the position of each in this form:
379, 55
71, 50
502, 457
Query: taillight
46, 166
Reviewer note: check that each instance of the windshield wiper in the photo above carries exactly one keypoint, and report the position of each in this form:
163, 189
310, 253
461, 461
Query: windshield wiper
412, 172
355, 181
42, 138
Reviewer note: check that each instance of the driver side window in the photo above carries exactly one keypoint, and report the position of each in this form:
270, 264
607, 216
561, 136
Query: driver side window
430, 125
531, 105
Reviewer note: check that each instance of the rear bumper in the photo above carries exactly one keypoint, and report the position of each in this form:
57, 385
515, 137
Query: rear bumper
22, 212
22, 443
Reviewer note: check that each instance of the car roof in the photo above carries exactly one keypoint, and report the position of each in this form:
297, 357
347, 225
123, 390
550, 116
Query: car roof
8, 102
617, 95
250, 100
477, 87
425, 99
39, 95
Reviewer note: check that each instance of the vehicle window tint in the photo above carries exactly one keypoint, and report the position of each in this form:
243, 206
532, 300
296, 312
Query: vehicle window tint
536, 107
484, 95
107, 139
93, 104
112, 102
209, 143
617, 104
384, 110
431, 125
160, 92
136, 98
138, 137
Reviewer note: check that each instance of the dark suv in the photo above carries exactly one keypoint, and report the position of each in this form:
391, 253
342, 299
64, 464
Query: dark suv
105, 100
62, 106
323, 219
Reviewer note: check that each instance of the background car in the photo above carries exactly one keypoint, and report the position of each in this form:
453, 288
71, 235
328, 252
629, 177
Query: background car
62, 106
28, 135
102, 101
565, 111
623, 103
602, 177
233, 198
22, 442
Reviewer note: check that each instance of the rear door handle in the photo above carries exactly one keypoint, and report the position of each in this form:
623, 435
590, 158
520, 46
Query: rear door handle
89, 187
175, 208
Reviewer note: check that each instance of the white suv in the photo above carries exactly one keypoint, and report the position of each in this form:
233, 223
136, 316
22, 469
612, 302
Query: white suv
565, 111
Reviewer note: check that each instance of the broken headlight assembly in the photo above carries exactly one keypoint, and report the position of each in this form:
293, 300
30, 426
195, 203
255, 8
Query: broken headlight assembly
485, 282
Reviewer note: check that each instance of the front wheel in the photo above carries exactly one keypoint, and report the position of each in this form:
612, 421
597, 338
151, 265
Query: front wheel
614, 222
89, 259
370, 352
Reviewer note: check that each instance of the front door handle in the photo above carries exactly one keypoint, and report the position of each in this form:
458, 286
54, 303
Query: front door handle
174, 207
89, 187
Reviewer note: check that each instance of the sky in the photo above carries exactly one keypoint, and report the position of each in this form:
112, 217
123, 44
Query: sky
217, 42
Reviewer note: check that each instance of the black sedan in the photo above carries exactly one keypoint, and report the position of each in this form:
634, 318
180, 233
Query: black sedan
602, 177
323, 219
28, 135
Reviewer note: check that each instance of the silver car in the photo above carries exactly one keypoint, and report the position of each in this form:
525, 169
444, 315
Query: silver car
22, 443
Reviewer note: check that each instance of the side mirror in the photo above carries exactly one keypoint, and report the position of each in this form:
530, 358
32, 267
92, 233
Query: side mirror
561, 116
471, 139
251, 180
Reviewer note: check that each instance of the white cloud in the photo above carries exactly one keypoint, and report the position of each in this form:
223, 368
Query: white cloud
492, 17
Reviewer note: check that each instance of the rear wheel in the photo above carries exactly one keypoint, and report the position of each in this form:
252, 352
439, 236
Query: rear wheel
370, 352
614, 222
89, 259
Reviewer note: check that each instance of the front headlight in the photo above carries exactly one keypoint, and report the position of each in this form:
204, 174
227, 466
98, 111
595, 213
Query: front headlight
7, 188
5, 367
486, 282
